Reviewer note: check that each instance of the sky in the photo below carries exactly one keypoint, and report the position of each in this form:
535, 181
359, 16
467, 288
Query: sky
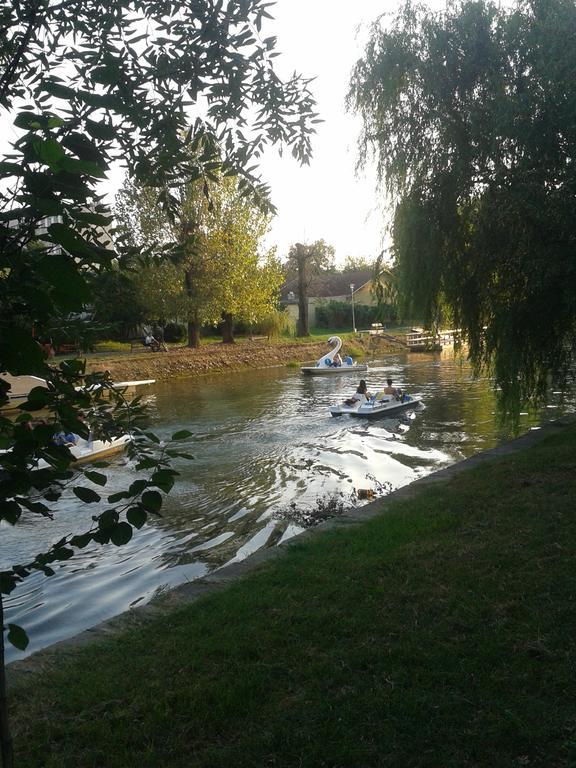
327, 200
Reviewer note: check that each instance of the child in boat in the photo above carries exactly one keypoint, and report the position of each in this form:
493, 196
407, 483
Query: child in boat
337, 361
361, 395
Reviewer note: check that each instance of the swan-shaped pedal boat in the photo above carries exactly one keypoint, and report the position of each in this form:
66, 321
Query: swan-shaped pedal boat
377, 406
326, 367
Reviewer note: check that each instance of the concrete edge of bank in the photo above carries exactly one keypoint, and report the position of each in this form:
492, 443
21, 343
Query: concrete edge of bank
184, 594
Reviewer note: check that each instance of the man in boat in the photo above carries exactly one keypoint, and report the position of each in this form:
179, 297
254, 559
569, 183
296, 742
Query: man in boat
390, 390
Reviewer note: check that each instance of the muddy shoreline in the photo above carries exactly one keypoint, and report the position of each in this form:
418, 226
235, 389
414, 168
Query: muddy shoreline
219, 358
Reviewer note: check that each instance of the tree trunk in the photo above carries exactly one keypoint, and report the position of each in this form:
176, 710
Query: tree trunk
193, 334
302, 260
194, 324
227, 328
5, 735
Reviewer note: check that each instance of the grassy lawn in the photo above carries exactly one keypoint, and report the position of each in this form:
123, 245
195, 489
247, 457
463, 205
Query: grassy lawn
442, 633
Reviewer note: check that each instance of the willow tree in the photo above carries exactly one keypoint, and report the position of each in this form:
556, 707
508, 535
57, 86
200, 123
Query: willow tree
470, 115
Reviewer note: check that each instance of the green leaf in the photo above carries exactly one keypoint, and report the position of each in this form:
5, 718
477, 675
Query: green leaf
81, 541
118, 497
121, 534
96, 477
71, 165
164, 479
29, 121
17, 637
86, 495
102, 131
71, 241
59, 270
136, 516
48, 151
10, 511
137, 487
55, 122
152, 500
182, 434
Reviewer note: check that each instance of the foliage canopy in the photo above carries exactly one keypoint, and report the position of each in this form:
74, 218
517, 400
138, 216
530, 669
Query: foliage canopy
470, 114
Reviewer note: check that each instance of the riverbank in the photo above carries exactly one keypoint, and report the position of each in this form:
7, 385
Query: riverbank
220, 358
438, 634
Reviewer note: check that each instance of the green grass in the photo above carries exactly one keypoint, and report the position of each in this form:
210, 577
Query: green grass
441, 634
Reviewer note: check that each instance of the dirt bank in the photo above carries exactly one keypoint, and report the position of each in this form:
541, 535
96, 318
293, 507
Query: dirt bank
218, 358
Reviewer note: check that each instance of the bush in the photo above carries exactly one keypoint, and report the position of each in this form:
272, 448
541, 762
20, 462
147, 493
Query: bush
277, 323
338, 314
174, 332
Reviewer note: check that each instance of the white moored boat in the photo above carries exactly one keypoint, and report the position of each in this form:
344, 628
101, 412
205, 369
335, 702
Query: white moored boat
20, 387
326, 367
375, 406
94, 450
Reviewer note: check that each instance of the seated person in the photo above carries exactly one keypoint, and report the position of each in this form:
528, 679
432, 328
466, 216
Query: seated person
150, 341
337, 361
390, 390
360, 396
64, 438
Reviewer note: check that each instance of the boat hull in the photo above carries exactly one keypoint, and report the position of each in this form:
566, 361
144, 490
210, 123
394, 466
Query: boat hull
373, 411
334, 370
94, 450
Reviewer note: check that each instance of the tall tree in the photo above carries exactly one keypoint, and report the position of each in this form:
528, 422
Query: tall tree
224, 273
470, 113
307, 260
86, 84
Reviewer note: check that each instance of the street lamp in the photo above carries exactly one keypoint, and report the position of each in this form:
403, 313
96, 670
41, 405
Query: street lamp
352, 295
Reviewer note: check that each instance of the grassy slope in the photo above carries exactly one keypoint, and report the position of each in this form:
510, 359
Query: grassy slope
441, 634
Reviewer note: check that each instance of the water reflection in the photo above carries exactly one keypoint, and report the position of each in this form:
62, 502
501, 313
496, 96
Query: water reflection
261, 440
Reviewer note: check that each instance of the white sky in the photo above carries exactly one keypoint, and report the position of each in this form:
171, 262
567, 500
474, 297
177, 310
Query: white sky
325, 200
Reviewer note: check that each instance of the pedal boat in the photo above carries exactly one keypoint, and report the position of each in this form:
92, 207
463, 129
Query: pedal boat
325, 366
372, 408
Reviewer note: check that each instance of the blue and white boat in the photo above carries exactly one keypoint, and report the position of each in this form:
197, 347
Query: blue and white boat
326, 366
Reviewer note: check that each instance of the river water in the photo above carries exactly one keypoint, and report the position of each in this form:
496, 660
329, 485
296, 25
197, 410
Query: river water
261, 440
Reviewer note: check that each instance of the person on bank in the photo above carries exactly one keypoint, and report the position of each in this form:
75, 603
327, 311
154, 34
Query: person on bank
360, 396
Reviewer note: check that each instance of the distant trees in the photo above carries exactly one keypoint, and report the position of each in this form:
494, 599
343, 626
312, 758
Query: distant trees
222, 273
357, 264
470, 114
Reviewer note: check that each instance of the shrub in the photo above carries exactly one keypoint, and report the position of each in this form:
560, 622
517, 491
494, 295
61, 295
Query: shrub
277, 323
338, 314
174, 332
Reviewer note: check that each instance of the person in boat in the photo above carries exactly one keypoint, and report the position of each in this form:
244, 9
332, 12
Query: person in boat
64, 438
337, 361
391, 390
360, 396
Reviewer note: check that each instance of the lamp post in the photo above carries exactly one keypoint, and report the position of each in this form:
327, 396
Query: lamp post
352, 296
